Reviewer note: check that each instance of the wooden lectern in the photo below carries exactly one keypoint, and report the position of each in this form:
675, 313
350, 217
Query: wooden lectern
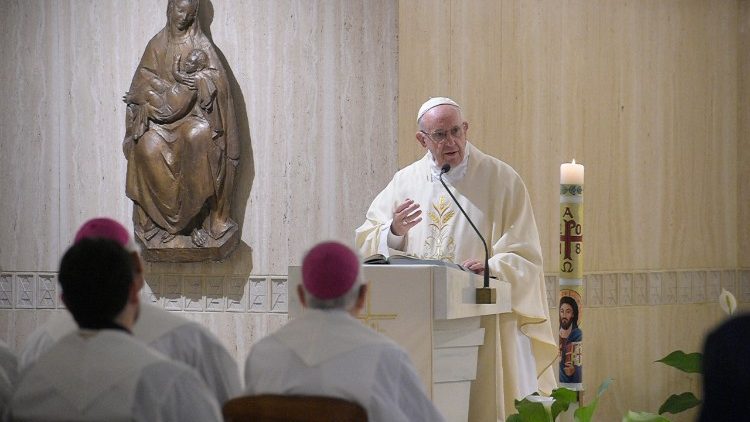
430, 310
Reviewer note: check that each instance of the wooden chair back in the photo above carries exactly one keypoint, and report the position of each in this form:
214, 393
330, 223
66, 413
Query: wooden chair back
278, 408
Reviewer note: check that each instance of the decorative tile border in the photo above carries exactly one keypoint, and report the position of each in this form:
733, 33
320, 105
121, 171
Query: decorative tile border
640, 289
660, 287
217, 293
25, 290
270, 293
6, 291
216, 301
744, 287
258, 294
234, 289
192, 290
171, 286
46, 291
279, 295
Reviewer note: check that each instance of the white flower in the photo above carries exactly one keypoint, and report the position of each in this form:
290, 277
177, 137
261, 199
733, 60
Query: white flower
727, 302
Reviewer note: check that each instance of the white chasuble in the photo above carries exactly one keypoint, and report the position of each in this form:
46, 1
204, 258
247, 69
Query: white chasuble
495, 197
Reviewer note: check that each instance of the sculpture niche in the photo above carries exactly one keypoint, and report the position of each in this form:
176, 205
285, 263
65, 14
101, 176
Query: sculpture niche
181, 143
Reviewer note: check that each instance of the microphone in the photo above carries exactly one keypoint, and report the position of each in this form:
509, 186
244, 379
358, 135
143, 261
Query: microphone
484, 294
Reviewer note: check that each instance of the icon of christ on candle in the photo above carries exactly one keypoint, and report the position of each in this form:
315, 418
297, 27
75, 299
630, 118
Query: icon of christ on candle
571, 337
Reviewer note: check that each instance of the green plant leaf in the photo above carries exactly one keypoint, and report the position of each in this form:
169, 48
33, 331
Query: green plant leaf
603, 387
563, 397
563, 394
585, 413
643, 417
690, 363
679, 403
529, 411
532, 412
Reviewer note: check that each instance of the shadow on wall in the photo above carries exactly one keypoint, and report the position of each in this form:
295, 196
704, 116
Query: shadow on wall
246, 174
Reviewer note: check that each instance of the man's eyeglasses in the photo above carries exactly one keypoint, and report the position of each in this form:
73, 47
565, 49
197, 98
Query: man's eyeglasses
440, 136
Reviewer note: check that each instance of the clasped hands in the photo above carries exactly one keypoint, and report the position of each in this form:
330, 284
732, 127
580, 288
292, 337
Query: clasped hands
407, 215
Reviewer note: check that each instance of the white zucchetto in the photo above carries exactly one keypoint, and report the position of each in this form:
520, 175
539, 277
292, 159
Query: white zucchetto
434, 102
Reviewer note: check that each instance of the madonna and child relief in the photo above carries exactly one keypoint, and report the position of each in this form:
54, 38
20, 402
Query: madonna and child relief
182, 144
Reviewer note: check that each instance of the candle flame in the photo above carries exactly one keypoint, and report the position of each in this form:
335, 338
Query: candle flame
573, 162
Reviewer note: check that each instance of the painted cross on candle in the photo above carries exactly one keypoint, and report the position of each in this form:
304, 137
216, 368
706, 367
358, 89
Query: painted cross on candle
568, 237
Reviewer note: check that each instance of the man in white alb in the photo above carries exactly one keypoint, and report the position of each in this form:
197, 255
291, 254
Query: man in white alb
100, 372
8, 374
415, 214
326, 351
177, 337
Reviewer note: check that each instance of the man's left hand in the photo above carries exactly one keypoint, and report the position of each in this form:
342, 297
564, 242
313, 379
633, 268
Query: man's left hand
473, 265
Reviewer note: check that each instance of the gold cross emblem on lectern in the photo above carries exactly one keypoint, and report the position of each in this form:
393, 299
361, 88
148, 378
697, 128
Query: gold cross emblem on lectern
371, 319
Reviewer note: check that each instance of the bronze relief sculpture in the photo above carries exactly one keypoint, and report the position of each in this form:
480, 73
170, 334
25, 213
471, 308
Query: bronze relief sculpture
182, 144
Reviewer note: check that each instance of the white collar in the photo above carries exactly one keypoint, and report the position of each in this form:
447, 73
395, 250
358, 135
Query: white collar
455, 174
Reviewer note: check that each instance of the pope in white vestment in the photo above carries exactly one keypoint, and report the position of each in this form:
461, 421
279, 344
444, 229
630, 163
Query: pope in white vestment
326, 351
107, 375
415, 214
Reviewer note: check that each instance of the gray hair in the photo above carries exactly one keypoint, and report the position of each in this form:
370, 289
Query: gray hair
344, 302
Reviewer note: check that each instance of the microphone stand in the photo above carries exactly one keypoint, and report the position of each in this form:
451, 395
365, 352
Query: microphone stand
484, 294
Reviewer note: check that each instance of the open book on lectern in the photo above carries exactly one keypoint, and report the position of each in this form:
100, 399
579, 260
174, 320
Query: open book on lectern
398, 258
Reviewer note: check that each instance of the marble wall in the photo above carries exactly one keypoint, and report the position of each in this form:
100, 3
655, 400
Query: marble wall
652, 97
743, 148
316, 89
645, 94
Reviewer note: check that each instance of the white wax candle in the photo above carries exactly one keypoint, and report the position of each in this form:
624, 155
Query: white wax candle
571, 173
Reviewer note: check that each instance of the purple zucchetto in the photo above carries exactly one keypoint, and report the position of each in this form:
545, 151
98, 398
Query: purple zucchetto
329, 270
108, 229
